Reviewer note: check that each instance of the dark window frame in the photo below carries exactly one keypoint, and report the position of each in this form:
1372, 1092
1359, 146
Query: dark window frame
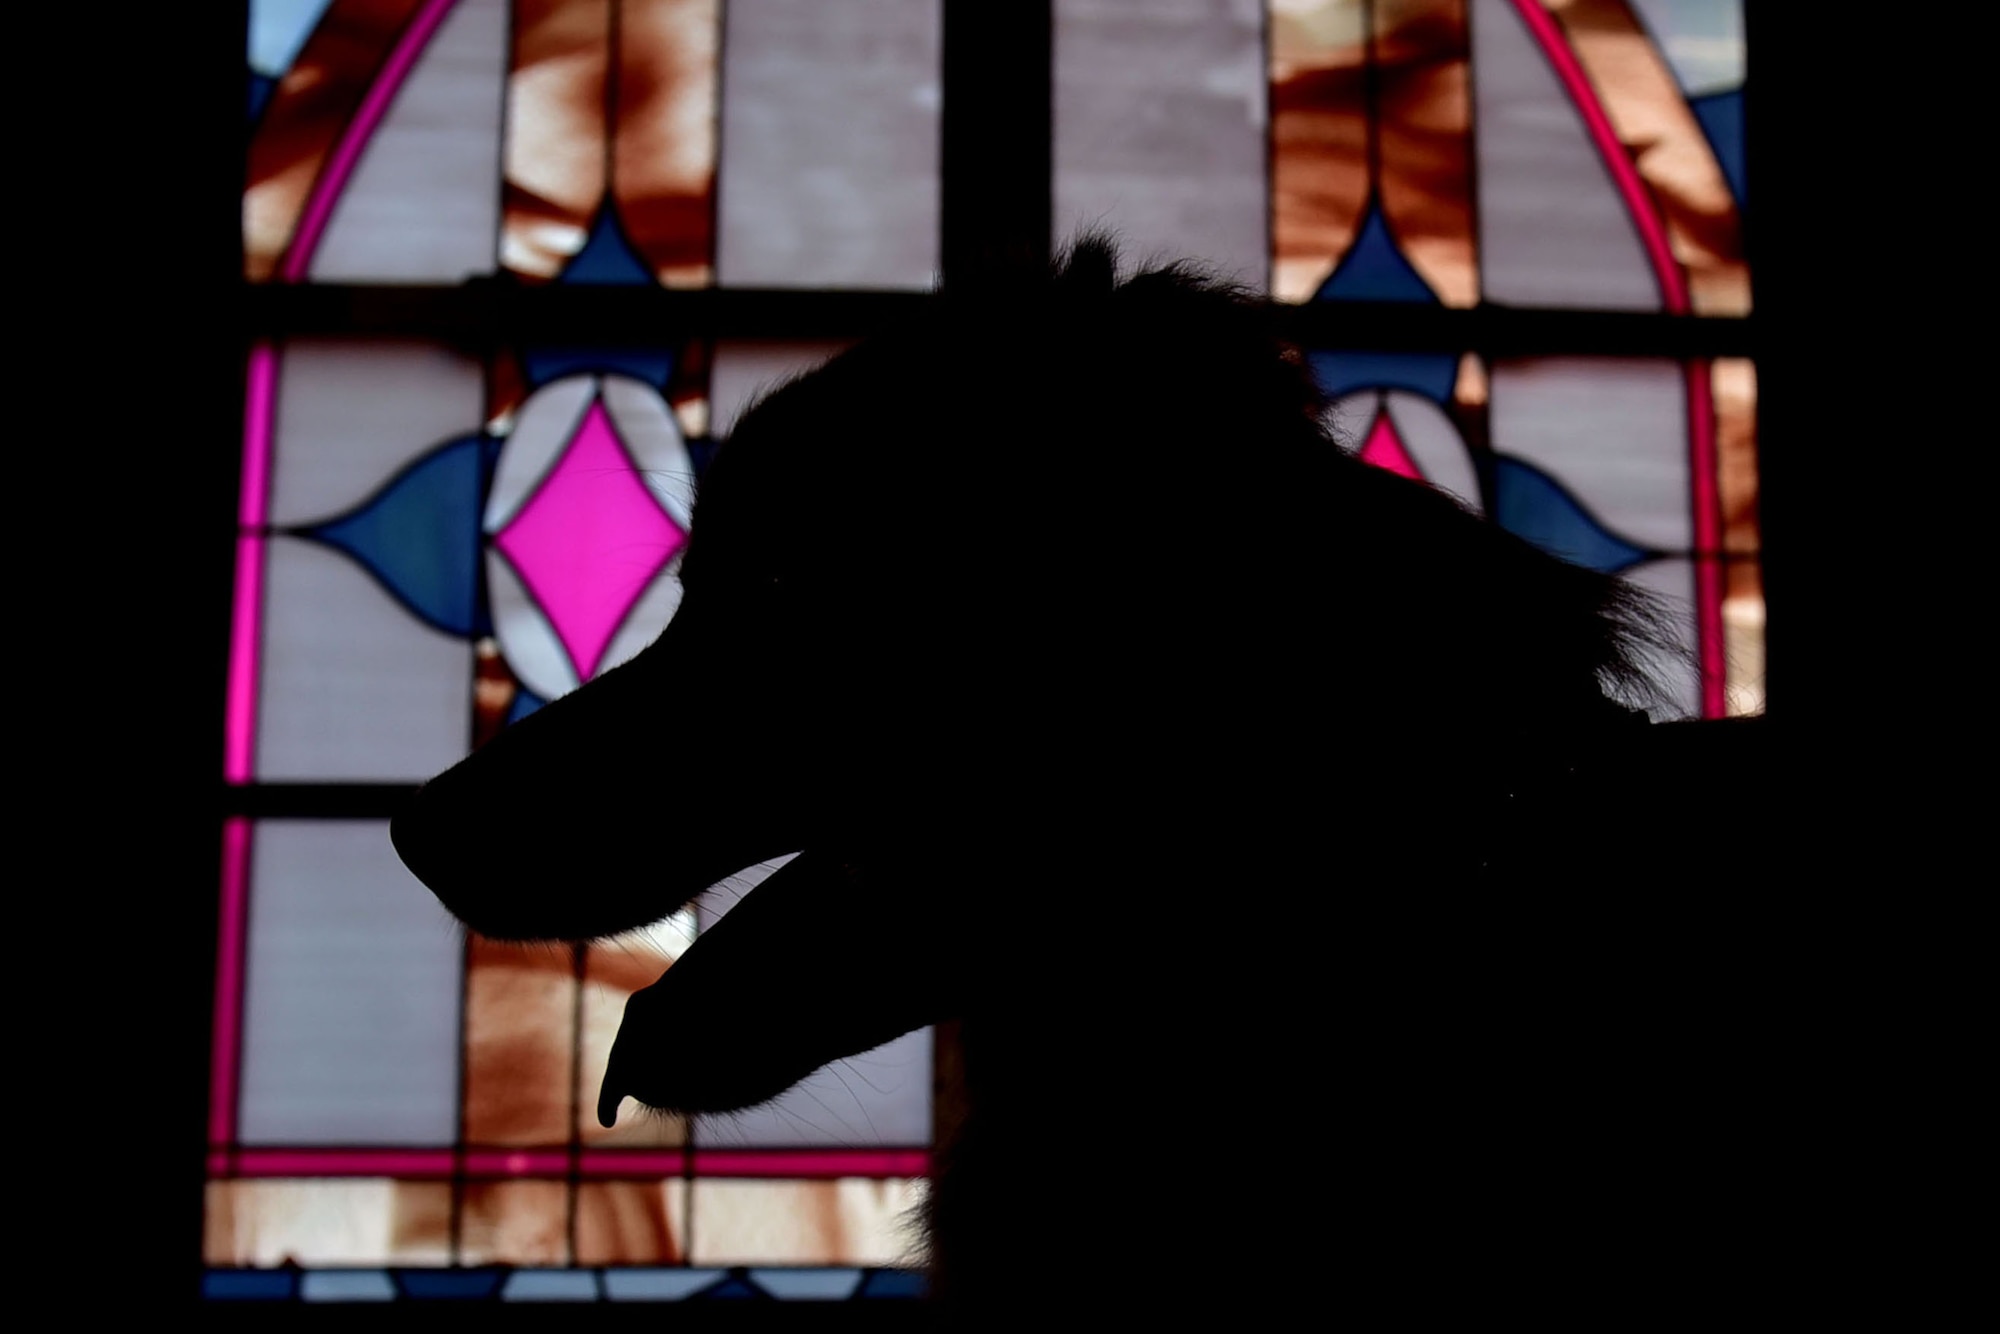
995, 182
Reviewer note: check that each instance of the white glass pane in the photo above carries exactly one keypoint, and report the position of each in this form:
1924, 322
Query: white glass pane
527, 640
1434, 444
879, 1099
648, 429
1160, 129
542, 428
423, 203
278, 28
655, 607
1672, 580
829, 173
1701, 39
1553, 230
741, 371
350, 1030
354, 687
351, 414
1613, 431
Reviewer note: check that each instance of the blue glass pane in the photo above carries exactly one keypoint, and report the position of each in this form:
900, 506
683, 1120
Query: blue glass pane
550, 1285
544, 365
1721, 117
892, 1285
347, 1285
700, 450
525, 703
1374, 269
419, 535
278, 30
809, 1285
1533, 505
1426, 373
257, 1285
449, 1284
607, 258
656, 1285
735, 1288
261, 86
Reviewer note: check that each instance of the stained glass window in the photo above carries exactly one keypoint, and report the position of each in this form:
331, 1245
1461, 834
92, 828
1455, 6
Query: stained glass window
1508, 232
435, 538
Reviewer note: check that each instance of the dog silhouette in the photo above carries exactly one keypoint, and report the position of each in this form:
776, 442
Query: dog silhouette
1251, 810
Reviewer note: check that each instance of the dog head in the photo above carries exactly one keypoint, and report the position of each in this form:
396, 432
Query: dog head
1071, 564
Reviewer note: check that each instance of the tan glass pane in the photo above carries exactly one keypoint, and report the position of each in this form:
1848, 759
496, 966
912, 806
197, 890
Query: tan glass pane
631, 1222
520, 1017
1735, 384
1743, 635
845, 1222
514, 1223
612, 970
352, 1223
555, 155
1469, 390
494, 690
1326, 158
664, 135
1319, 138
1423, 116
1666, 143
1735, 387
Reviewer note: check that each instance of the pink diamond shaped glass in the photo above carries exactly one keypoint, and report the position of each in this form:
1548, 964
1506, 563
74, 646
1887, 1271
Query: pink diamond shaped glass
589, 540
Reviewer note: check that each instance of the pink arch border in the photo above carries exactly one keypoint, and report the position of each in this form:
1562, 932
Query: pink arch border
556, 1163
254, 505
332, 180
246, 620
1706, 499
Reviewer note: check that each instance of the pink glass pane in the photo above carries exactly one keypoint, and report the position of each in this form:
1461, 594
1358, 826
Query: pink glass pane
1385, 450
590, 539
